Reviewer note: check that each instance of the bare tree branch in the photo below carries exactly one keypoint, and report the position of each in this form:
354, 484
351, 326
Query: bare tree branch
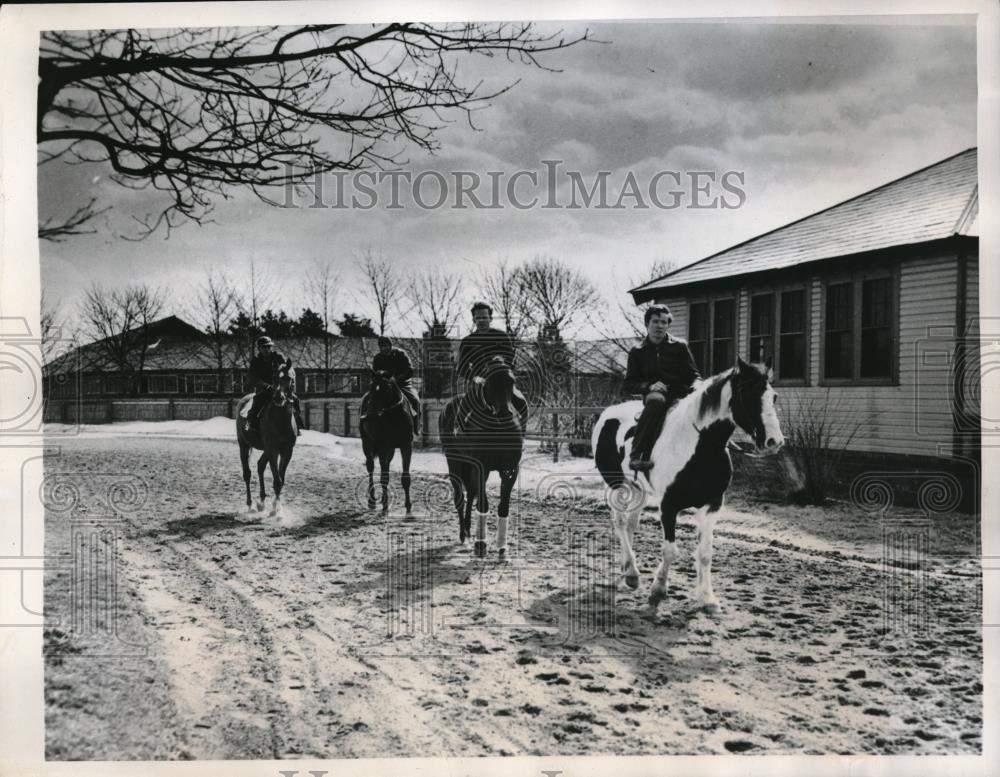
117, 320
57, 231
502, 286
195, 113
384, 286
437, 299
560, 297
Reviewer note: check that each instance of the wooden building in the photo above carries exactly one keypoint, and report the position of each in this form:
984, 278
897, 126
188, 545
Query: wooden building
869, 308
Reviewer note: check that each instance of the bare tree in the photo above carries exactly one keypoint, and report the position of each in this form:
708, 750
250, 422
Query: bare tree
384, 286
322, 289
502, 286
53, 341
624, 324
437, 298
194, 113
254, 296
117, 320
560, 297
215, 305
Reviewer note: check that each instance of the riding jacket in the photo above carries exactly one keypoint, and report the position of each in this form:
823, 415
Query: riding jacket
396, 362
264, 369
478, 348
670, 362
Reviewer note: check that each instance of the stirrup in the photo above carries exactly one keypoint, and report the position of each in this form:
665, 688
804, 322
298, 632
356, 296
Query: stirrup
640, 465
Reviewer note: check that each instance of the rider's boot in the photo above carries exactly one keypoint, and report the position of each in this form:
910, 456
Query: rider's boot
646, 432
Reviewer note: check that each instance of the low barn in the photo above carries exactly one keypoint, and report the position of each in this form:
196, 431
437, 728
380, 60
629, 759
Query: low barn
870, 311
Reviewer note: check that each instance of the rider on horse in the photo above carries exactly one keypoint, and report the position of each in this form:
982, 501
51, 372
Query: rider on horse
264, 374
397, 363
478, 348
663, 371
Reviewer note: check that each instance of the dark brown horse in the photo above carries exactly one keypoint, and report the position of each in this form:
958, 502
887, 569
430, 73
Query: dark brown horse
481, 432
276, 438
387, 426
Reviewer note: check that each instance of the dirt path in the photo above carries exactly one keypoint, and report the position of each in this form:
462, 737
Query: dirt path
339, 633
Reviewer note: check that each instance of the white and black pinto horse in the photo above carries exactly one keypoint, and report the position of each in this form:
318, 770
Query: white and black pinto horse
691, 464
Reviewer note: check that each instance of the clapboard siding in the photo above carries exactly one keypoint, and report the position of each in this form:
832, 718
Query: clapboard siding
915, 416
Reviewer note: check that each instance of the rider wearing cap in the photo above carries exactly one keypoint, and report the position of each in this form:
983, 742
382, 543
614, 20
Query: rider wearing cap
478, 348
264, 374
662, 370
397, 363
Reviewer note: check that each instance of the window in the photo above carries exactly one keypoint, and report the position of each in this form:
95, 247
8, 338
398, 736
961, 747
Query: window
761, 327
876, 328
723, 335
839, 359
92, 384
698, 333
791, 362
315, 383
858, 336
161, 384
203, 384
114, 384
778, 330
712, 334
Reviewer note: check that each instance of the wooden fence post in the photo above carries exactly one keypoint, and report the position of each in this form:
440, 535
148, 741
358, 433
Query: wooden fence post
326, 417
347, 419
555, 437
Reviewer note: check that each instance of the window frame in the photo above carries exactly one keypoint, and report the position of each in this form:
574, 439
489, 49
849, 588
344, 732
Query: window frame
777, 290
857, 278
733, 297
164, 377
193, 379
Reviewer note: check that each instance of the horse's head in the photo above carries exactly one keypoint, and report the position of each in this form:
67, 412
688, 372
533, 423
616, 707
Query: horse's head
284, 385
498, 390
384, 390
752, 405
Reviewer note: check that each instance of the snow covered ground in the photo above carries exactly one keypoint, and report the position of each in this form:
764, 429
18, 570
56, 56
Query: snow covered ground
540, 476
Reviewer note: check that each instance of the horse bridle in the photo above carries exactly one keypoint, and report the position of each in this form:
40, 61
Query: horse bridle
738, 397
393, 406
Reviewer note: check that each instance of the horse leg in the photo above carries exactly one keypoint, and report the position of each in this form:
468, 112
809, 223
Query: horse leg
276, 480
245, 462
668, 550
370, 466
384, 460
703, 590
406, 452
458, 495
279, 479
261, 464
622, 522
482, 511
507, 479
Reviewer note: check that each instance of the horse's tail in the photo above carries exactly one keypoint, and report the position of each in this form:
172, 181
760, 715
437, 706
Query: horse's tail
607, 456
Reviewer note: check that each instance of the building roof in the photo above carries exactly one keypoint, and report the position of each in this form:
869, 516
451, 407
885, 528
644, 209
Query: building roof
195, 352
935, 202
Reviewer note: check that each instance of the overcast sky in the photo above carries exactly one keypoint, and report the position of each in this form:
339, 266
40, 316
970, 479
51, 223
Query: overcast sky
810, 115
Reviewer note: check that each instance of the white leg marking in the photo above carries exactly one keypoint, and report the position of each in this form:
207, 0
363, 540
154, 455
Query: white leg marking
703, 592
502, 534
669, 554
630, 571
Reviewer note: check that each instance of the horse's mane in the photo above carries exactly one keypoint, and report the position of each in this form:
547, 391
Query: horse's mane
711, 393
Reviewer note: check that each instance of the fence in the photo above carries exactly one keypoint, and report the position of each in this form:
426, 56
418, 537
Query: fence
338, 416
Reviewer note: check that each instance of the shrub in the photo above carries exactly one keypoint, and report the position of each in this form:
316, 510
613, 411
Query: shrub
818, 431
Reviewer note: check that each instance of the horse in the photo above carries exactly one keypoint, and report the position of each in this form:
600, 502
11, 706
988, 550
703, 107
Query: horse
691, 465
386, 425
481, 432
275, 436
